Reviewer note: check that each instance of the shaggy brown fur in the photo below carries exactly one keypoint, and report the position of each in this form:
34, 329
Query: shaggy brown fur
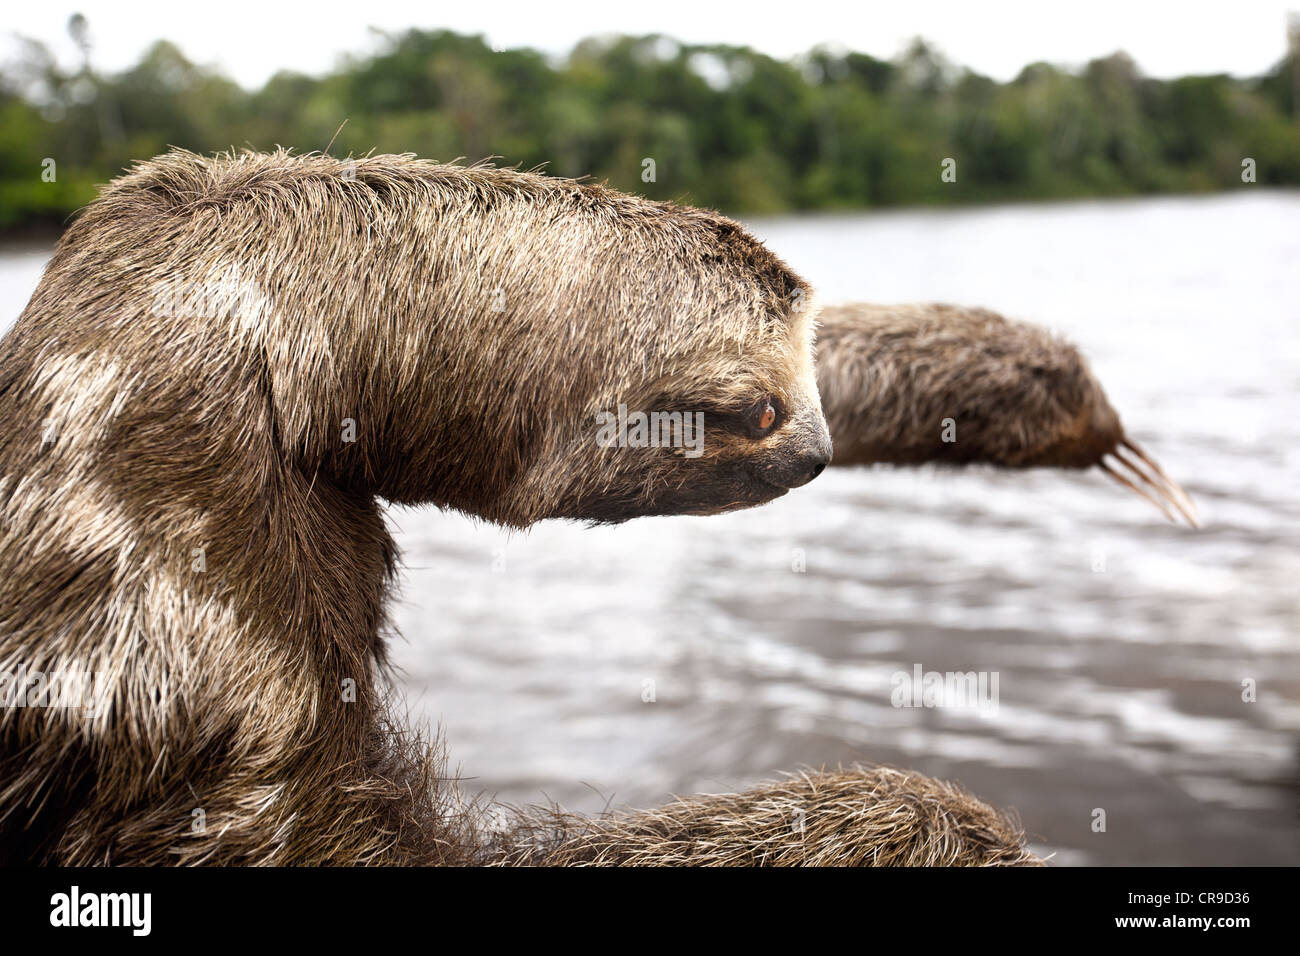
184, 515
1017, 396
863, 817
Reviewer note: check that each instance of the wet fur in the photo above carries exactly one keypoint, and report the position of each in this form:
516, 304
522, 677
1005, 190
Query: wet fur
1018, 395
945, 384
861, 817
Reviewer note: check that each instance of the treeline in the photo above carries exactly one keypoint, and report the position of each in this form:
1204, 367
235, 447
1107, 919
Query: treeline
725, 126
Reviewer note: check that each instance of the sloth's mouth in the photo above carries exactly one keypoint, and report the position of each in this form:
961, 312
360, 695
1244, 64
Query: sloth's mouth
763, 486
752, 490
710, 494
743, 491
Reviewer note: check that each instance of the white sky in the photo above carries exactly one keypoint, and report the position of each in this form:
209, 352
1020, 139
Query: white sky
251, 40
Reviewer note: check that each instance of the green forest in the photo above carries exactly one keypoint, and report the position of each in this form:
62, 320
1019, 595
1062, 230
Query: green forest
725, 126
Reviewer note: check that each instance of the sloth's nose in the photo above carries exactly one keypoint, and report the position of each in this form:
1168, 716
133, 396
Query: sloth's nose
807, 467
800, 464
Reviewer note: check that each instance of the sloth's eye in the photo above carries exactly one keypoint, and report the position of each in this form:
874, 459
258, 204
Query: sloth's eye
763, 415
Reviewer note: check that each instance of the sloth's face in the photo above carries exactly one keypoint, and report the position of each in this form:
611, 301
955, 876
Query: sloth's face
699, 460
667, 369
706, 436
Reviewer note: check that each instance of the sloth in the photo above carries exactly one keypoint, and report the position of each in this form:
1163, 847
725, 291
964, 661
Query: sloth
230, 362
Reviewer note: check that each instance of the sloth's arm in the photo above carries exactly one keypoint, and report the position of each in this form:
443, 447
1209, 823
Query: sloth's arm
912, 384
861, 817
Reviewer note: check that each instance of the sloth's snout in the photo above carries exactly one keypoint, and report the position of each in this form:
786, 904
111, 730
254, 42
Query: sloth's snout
802, 463
807, 467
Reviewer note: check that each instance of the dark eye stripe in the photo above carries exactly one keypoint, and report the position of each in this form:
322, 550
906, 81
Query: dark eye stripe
746, 422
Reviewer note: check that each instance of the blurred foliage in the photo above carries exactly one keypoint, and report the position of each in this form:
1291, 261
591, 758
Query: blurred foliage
726, 126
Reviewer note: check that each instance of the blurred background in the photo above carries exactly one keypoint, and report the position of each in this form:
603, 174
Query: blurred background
1102, 189
834, 125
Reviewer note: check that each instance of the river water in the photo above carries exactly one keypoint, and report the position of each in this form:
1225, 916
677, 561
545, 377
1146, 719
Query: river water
1120, 642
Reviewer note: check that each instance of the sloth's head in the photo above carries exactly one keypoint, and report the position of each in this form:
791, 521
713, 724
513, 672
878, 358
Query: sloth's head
550, 349
726, 421
510, 345
695, 390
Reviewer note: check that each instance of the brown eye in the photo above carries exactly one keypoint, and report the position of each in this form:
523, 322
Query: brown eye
764, 414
